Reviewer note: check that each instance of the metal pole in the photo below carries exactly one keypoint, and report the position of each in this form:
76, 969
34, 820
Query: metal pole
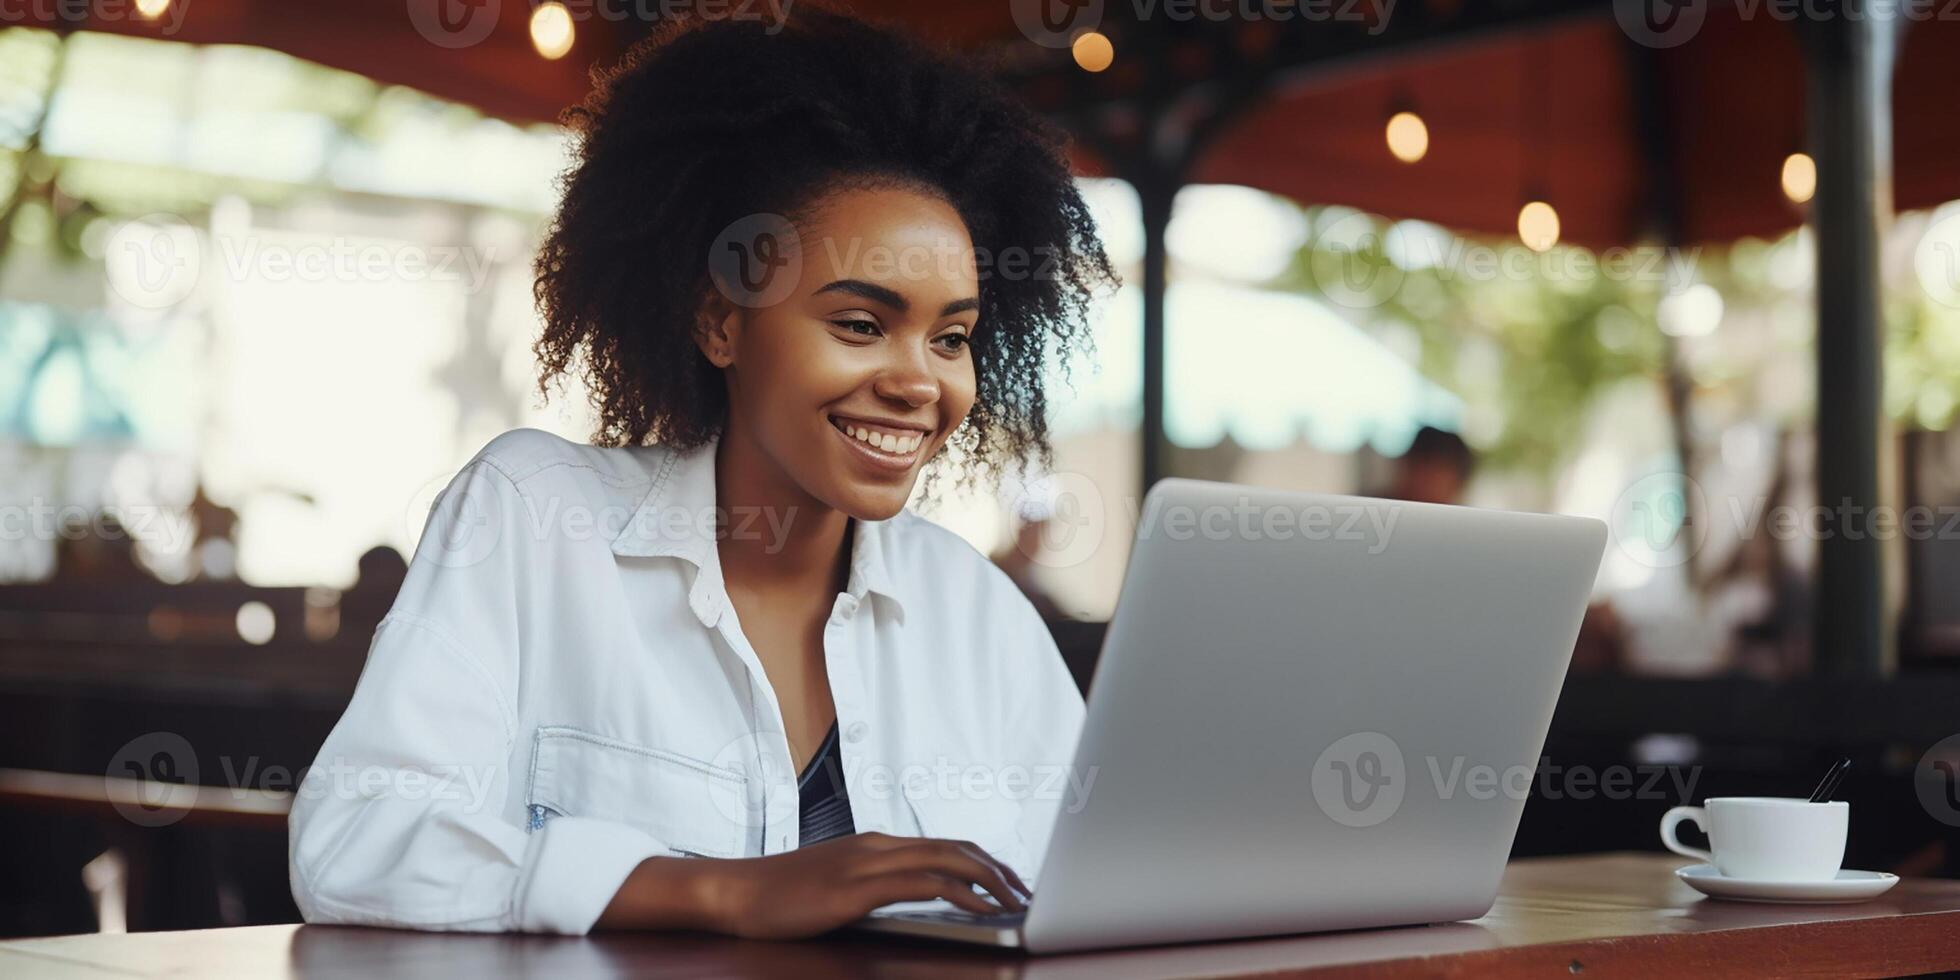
1849, 54
1156, 195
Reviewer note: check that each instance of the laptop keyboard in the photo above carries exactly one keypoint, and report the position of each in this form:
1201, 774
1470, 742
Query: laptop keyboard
997, 920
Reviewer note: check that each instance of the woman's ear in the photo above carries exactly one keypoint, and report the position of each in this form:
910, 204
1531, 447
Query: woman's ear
716, 328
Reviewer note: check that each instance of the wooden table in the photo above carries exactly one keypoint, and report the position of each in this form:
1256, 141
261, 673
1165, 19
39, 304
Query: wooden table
1608, 914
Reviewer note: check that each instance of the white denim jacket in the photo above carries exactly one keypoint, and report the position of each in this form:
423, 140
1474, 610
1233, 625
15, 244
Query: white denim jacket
562, 689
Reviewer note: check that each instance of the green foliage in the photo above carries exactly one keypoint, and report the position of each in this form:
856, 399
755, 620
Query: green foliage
1922, 364
1528, 340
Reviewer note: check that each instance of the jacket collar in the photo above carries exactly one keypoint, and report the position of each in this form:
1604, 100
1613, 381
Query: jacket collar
676, 519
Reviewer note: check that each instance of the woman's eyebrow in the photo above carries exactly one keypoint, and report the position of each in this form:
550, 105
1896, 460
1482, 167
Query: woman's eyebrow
887, 297
870, 291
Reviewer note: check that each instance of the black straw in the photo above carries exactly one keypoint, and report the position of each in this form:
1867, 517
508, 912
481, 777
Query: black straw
1829, 785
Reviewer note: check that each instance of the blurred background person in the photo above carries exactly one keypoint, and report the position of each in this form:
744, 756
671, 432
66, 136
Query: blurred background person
1435, 470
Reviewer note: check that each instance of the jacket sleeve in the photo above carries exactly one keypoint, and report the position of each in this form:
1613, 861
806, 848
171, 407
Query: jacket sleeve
411, 815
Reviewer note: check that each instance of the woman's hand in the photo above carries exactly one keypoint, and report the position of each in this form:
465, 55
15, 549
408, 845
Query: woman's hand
810, 890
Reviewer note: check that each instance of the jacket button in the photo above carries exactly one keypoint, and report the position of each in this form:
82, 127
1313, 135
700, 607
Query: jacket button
855, 733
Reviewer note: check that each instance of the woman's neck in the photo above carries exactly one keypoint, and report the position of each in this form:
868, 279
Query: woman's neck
772, 536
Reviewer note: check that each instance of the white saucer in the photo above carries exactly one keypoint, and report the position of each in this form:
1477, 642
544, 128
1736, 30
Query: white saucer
1849, 886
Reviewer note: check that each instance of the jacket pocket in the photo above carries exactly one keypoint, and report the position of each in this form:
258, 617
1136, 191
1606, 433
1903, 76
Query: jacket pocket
693, 807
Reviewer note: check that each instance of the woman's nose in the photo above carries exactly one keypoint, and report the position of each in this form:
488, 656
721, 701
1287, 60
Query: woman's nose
908, 378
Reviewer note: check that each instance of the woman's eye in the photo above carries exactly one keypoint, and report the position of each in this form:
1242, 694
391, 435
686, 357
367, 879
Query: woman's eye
863, 328
955, 341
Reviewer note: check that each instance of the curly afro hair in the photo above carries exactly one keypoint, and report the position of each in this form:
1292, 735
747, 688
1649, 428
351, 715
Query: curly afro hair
708, 121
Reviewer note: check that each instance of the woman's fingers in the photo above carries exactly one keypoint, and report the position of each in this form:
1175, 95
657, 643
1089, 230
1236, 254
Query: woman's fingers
1007, 870
956, 859
1026, 892
888, 842
1000, 868
923, 886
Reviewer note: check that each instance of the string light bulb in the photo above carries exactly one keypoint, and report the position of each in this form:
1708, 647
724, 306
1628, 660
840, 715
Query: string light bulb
552, 30
1799, 177
152, 9
1538, 226
1092, 51
1408, 137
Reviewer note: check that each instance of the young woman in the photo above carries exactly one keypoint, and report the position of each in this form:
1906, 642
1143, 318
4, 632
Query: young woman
708, 673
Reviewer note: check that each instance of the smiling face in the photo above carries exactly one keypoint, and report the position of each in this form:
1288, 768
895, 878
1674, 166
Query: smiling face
858, 376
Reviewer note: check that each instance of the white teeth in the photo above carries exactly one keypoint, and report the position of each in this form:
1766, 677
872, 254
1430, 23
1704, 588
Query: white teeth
885, 442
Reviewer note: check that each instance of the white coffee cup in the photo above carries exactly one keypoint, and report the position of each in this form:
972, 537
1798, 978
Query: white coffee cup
1765, 838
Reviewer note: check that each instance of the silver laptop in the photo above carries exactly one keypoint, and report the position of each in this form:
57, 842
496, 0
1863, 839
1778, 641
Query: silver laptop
1312, 712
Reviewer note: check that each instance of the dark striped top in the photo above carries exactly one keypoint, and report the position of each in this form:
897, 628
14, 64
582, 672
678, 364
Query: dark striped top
824, 808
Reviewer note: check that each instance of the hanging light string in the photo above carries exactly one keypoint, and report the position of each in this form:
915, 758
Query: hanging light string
1406, 132
552, 30
1538, 222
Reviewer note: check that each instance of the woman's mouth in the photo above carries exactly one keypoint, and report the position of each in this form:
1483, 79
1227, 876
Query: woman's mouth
886, 447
